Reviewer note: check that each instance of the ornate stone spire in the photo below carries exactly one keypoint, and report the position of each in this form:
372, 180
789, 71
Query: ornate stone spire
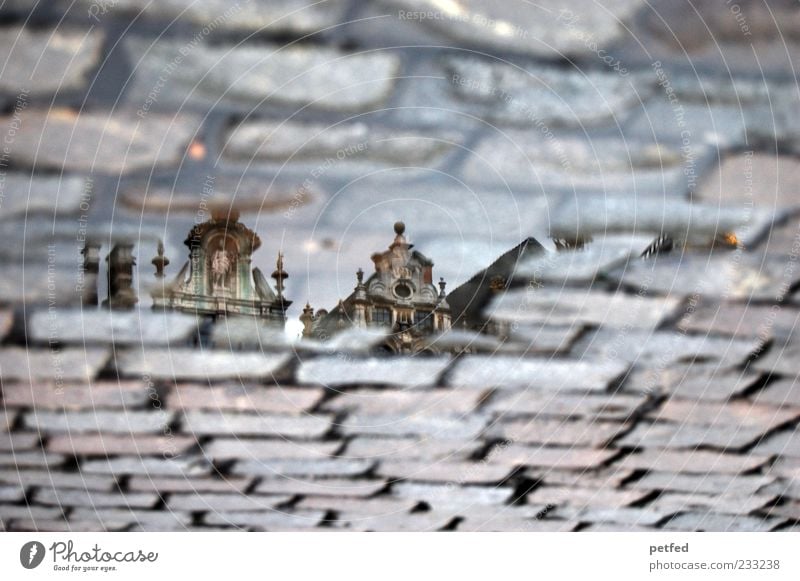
361, 288
279, 275
443, 314
307, 318
360, 301
91, 269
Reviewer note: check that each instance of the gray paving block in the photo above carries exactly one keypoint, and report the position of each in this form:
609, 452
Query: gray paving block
506, 372
276, 520
690, 436
42, 195
410, 448
57, 365
347, 487
322, 77
244, 398
573, 163
404, 401
54, 478
94, 519
30, 459
557, 432
533, 93
444, 495
453, 472
82, 498
11, 493
338, 467
271, 16
188, 484
731, 502
111, 444
433, 426
18, 441
546, 29
96, 141
224, 502
197, 364
44, 62
691, 461
115, 422
95, 395
571, 458
306, 426
711, 522
587, 216
184, 467
10, 512
559, 405
363, 145
714, 484
402, 371
265, 449
554, 306
581, 497
85, 326
664, 348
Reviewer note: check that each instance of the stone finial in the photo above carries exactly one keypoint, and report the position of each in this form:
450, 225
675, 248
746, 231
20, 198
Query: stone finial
399, 239
442, 286
360, 295
279, 275
160, 261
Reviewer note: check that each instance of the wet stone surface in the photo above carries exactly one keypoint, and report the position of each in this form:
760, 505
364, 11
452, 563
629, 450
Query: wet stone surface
359, 142
631, 393
502, 93
247, 77
281, 16
549, 29
43, 63
121, 328
566, 307
98, 142
517, 373
335, 371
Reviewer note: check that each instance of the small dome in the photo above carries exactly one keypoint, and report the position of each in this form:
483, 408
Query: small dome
399, 228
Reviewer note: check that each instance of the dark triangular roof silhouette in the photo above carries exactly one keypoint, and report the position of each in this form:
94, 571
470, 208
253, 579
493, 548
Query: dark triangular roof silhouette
468, 300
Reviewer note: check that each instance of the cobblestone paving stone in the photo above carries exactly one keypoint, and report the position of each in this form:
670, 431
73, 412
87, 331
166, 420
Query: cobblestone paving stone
98, 141
274, 16
636, 394
41, 62
319, 77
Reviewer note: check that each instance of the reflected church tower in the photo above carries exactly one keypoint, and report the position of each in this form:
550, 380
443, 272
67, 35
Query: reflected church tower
217, 280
